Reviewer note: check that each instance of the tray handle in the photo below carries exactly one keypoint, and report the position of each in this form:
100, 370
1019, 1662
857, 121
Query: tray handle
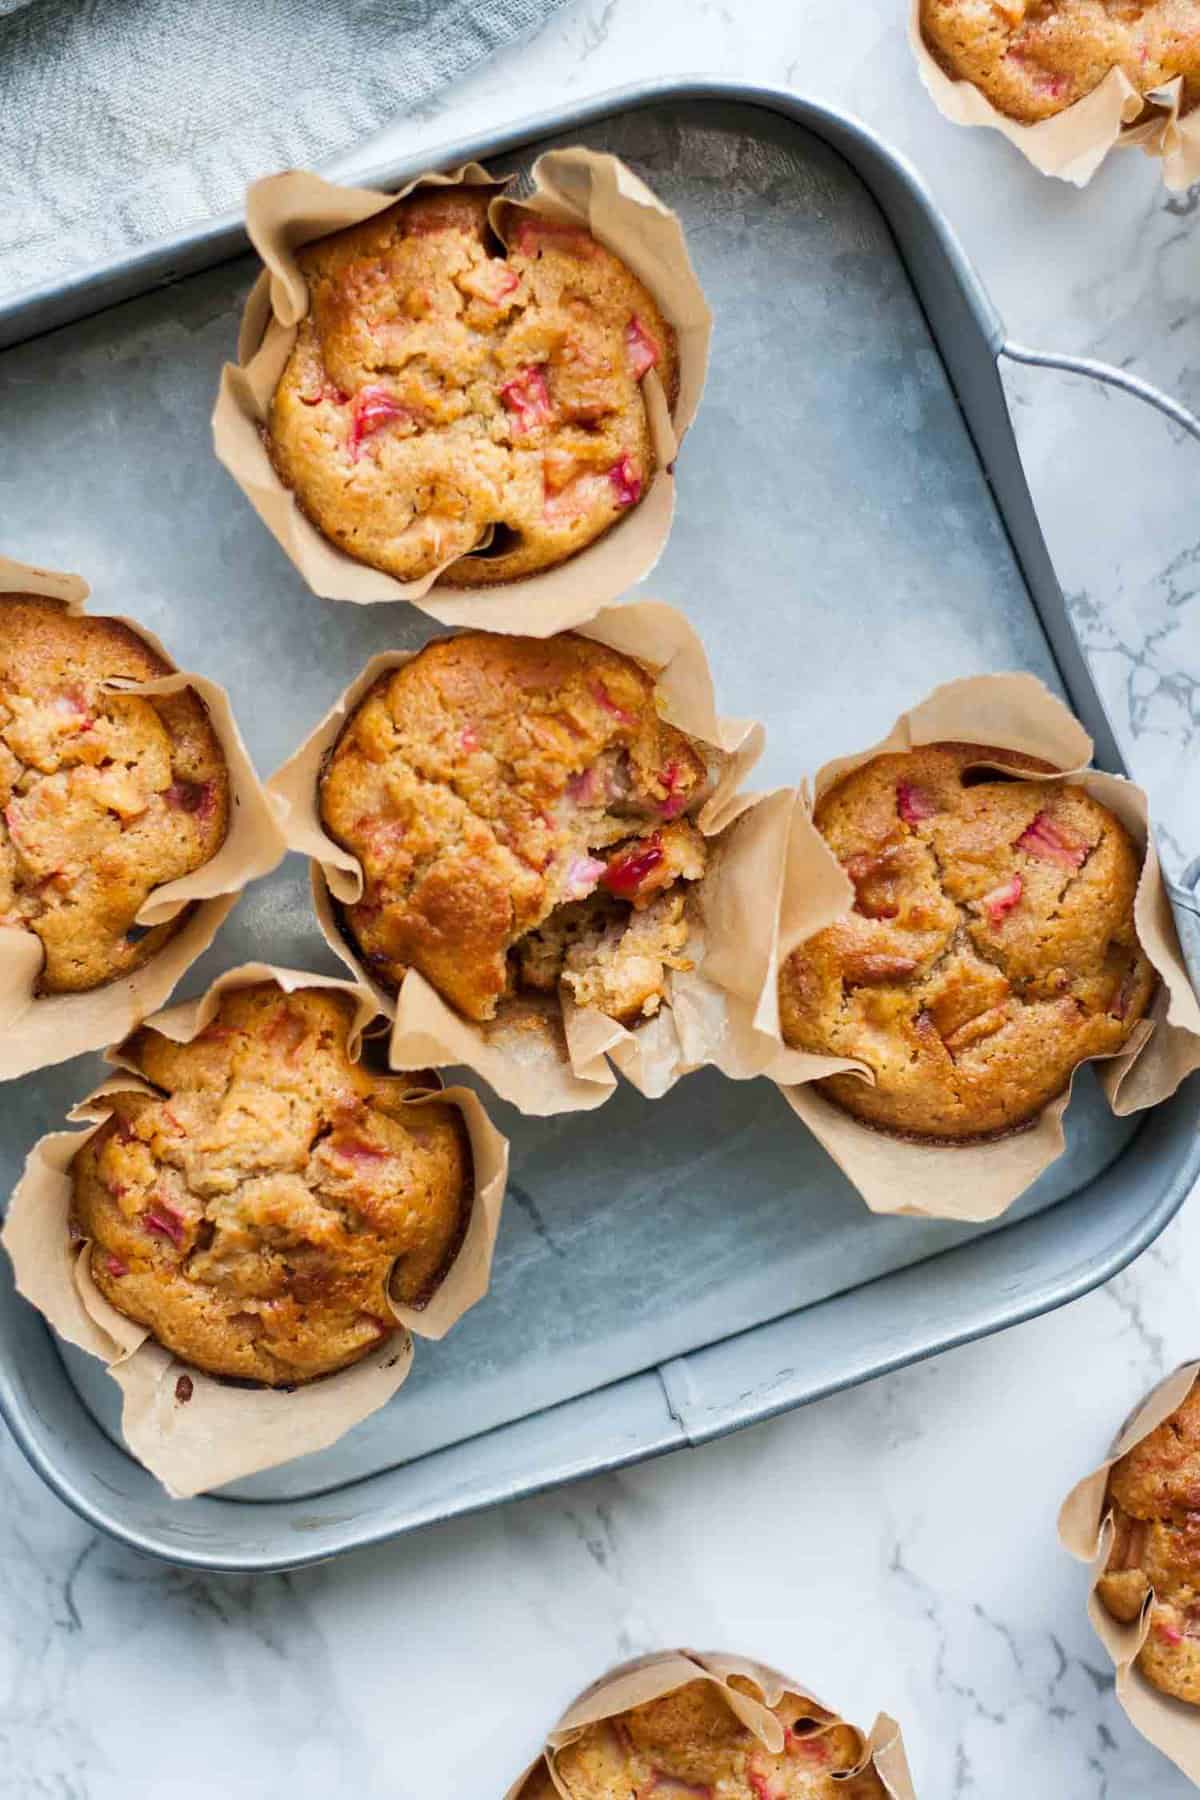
1109, 375
1185, 897
1185, 893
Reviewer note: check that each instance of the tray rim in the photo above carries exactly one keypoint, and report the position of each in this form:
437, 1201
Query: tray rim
190, 252
34, 311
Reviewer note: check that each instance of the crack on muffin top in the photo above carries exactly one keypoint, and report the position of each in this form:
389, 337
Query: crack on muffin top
1033, 58
1154, 1561
690, 1743
104, 796
494, 788
990, 949
439, 395
262, 1210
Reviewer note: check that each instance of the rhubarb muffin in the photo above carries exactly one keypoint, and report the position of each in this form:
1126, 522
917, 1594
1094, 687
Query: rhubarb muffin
692, 1742
104, 796
1033, 58
1154, 1495
990, 948
520, 812
263, 1208
449, 395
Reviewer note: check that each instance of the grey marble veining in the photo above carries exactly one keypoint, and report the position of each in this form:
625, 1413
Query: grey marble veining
895, 1546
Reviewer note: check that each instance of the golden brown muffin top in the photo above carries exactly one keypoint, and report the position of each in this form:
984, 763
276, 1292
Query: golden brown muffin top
991, 946
493, 779
103, 796
1154, 1493
258, 1215
690, 1743
1033, 58
443, 388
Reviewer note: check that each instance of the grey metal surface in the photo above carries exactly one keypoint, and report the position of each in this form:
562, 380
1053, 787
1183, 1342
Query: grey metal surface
665, 1272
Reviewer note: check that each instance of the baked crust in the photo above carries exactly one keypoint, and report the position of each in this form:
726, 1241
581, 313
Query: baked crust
442, 389
519, 810
103, 796
1154, 1494
257, 1214
1033, 58
691, 1741
990, 950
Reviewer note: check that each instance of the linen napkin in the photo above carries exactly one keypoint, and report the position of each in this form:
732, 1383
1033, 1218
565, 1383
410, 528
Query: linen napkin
123, 120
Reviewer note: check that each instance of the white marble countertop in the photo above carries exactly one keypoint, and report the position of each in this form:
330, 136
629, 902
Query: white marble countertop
895, 1546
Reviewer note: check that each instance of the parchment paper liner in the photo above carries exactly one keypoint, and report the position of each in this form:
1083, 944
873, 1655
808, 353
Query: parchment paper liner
1085, 1528
541, 1058
225, 1431
285, 212
979, 1181
1073, 143
650, 1677
39, 1029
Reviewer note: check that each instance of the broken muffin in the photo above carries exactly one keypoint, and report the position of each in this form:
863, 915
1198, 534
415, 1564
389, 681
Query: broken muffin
520, 812
263, 1208
990, 948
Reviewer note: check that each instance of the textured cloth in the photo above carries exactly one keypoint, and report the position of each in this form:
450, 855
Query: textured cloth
122, 120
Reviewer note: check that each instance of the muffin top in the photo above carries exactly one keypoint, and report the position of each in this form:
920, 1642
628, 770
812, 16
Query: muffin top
1032, 58
690, 1742
258, 1213
519, 810
1154, 1493
446, 395
991, 946
103, 796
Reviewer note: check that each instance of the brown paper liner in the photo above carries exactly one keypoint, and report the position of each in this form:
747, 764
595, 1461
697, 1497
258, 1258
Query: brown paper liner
542, 1057
651, 1677
223, 1431
1073, 143
1085, 1528
285, 212
974, 1182
39, 1029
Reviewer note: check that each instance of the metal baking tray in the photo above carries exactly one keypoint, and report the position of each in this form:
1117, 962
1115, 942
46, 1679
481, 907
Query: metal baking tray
853, 526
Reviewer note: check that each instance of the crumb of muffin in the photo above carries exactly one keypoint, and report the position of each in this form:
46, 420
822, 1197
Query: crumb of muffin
519, 808
1033, 58
691, 1743
1154, 1495
446, 395
990, 949
104, 796
260, 1212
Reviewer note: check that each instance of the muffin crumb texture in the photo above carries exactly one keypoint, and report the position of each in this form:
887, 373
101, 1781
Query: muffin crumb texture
520, 811
261, 1211
691, 1743
990, 949
1033, 58
1154, 1494
447, 395
104, 796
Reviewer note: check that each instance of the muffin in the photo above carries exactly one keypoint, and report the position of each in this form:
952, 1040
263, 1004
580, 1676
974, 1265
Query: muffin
990, 949
260, 1212
1034, 58
104, 796
1154, 1495
691, 1742
448, 395
520, 812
